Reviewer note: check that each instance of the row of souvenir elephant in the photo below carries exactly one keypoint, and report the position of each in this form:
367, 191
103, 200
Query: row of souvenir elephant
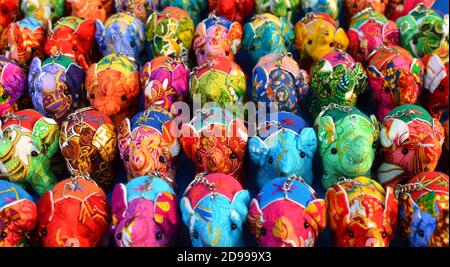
215, 209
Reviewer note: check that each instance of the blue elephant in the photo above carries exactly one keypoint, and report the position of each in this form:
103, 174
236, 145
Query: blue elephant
214, 208
283, 150
121, 34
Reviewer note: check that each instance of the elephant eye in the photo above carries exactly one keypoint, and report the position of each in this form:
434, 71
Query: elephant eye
178, 41
331, 44
3, 235
302, 154
263, 231
441, 88
333, 150
158, 236
233, 226
126, 158
420, 233
252, 47
196, 235
119, 236
270, 160
286, 43
92, 96
309, 42
124, 98
386, 90
233, 155
52, 9
415, 40
383, 234
100, 6
405, 151
5, 96
202, 52
351, 234
227, 53
67, 92
306, 224
74, 48
44, 232
162, 159
199, 159
8, 48
374, 145
103, 47
132, 44
426, 169
34, 153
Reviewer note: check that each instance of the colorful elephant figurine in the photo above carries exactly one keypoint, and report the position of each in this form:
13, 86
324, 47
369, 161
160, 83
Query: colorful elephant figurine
72, 37
411, 143
140, 9
436, 86
88, 142
90, 9
423, 30
216, 36
361, 213
369, 29
195, 8
353, 7
122, 34
396, 78
23, 40
216, 141
147, 143
284, 146
267, 34
170, 33
18, 215
317, 35
218, 80
74, 213
29, 141
12, 85
423, 210
145, 213
56, 86
330, 7
10, 12
337, 79
214, 207
45, 11
283, 8
113, 86
347, 142
287, 213
234, 10
165, 80
399, 8
277, 78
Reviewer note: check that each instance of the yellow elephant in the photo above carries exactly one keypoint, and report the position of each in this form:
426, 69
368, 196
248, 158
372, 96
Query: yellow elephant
316, 35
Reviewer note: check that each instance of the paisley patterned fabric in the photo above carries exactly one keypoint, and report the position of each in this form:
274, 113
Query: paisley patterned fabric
290, 213
283, 8
278, 79
330, 7
72, 37
12, 85
423, 212
266, 34
361, 213
147, 143
216, 36
218, 80
74, 213
338, 79
165, 81
412, 143
195, 8
170, 33
23, 40
347, 142
28, 143
88, 142
399, 8
369, 29
56, 86
355, 6
234, 10
18, 215
395, 77
423, 30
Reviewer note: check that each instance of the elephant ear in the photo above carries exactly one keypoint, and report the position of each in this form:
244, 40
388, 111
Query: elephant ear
150, 28
96, 217
28, 215
235, 36
166, 213
255, 218
318, 212
393, 132
45, 136
105, 141
85, 33
390, 213
417, 70
338, 208
303, 83
249, 36
75, 76
100, 35
375, 126
238, 136
307, 141
124, 138
35, 71
257, 150
326, 131
239, 207
300, 35
341, 39
439, 131
46, 208
91, 81
187, 213
119, 204
288, 32
190, 140
170, 138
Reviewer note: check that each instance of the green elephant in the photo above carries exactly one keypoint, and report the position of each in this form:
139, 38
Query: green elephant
29, 141
347, 142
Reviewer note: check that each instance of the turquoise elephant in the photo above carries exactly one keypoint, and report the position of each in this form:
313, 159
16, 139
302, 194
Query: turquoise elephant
195, 8
214, 208
266, 34
287, 150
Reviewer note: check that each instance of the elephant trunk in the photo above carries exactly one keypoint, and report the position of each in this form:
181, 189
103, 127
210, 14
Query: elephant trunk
373, 239
284, 230
409, 89
286, 166
359, 149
